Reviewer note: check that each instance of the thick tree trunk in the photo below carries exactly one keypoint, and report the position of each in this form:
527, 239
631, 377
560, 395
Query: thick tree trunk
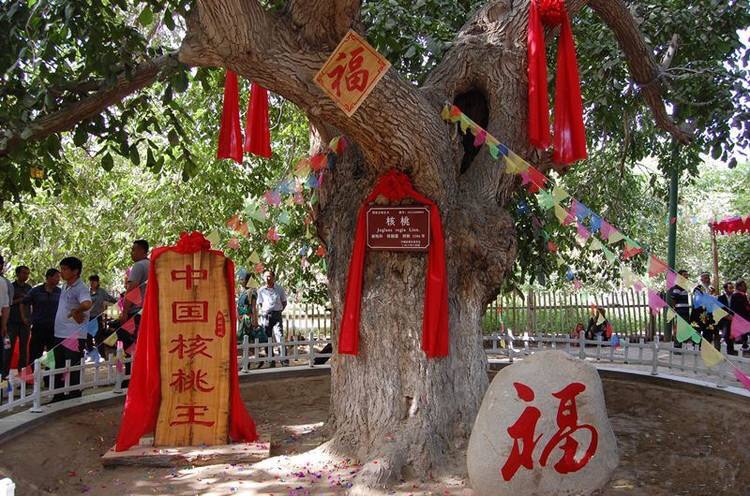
391, 407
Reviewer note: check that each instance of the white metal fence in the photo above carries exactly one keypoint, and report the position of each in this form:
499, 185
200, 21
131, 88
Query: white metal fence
655, 356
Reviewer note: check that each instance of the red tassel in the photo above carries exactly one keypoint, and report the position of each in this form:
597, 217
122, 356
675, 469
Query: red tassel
230, 134
537, 71
570, 136
257, 133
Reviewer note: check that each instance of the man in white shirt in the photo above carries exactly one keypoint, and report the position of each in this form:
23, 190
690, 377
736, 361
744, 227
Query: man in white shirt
70, 322
5, 300
272, 301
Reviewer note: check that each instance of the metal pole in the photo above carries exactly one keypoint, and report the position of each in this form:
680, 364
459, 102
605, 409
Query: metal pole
715, 254
672, 231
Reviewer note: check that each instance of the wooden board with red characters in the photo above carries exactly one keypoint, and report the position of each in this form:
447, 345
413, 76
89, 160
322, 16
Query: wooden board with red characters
194, 317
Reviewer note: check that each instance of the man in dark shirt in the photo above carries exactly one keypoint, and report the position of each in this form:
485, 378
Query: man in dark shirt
725, 323
18, 325
43, 301
738, 303
680, 299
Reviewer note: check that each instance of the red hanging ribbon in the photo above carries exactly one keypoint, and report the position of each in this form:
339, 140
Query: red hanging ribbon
230, 134
570, 135
257, 133
144, 393
395, 186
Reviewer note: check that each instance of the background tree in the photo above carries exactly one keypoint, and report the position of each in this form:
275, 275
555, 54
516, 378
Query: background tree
82, 66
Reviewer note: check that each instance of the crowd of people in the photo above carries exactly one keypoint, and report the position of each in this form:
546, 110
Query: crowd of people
65, 321
697, 311
732, 299
49, 317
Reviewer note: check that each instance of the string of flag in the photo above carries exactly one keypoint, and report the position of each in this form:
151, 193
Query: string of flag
307, 172
589, 223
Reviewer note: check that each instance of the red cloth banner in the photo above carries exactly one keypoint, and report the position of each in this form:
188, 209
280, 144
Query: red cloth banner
396, 186
230, 134
257, 132
732, 225
570, 135
144, 393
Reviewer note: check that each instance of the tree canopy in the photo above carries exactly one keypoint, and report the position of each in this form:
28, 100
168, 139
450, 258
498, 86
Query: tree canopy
98, 82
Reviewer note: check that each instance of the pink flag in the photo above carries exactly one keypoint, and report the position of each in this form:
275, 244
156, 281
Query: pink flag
606, 229
129, 325
638, 285
480, 138
582, 231
655, 303
131, 349
740, 326
577, 284
134, 296
671, 278
745, 380
27, 375
71, 343
656, 266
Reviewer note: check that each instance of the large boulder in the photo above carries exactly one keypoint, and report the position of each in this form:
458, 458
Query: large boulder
542, 430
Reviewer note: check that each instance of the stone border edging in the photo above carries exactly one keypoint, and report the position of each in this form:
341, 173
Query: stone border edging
14, 425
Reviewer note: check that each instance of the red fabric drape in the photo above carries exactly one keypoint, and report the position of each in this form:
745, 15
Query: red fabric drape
144, 392
230, 134
731, 225
257, 133
570, 135
395, 186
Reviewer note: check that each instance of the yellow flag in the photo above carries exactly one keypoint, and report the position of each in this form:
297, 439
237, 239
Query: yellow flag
561, 214
710, 355
670, 315
559, 194
111, 339
446, 113
683, 282
515, 164
465, 123
719, 314
213, 237
254, 258
615, 236
596, 244
502, 342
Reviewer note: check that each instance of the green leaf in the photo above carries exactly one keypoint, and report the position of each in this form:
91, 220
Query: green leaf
80, 136
134, 156
107, 162
146, 18
168, 19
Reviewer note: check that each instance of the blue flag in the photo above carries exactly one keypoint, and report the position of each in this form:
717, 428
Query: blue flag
92, 327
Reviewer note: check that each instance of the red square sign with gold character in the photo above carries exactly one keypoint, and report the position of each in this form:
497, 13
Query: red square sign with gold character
351, 72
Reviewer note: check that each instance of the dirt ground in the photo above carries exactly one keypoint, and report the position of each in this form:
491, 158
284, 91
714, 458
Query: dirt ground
672, 442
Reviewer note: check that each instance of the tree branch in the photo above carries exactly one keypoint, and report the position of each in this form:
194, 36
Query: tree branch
323, 22
270, 52
67, 117
643, 67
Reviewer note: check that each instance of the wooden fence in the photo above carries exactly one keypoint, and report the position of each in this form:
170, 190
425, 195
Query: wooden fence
547, 312
537, 312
